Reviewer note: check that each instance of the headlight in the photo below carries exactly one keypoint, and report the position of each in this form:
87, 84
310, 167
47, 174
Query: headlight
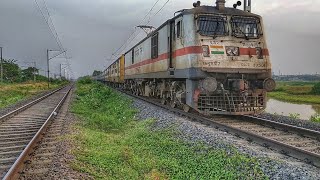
232, 51
210, 84
206, 51
259, 52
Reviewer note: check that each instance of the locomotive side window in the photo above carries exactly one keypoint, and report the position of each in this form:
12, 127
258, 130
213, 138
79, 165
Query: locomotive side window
132, 56
179, 29
247, 27
212, 25
154, 46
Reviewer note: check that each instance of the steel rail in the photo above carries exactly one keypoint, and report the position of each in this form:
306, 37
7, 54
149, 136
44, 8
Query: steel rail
26, 106
282, 126
306, 156
13, 172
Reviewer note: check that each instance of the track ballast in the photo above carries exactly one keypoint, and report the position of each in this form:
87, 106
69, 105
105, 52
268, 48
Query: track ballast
21, 129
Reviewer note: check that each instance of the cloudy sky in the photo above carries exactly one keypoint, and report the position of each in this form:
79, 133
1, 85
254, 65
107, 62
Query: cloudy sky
91, 30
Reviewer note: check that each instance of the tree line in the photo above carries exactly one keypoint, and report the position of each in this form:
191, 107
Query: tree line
13, 73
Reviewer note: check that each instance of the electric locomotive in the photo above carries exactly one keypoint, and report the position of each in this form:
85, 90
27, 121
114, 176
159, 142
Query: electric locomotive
212, 59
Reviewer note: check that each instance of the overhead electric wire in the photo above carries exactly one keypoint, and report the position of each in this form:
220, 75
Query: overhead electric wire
51, 27
125, 44
149, 20
135, 29
54, 29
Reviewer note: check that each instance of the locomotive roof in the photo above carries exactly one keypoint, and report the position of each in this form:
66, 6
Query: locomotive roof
200, 10
214, 10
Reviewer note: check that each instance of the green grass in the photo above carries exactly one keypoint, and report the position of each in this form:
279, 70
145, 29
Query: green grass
315, 118
110, 144
13, 93
283, 96
298, 92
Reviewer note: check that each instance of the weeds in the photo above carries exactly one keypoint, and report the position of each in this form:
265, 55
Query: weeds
283, 96
110, 144
101, 107
315, 118
300, 92
12, 93
294, 115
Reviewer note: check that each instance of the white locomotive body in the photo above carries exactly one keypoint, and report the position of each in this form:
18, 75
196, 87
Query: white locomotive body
214, 60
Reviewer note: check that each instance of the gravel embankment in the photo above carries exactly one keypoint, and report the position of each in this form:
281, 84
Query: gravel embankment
288, 120
274, 165
55, 149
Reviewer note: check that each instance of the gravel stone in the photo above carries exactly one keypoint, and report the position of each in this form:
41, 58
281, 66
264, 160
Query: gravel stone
273, 164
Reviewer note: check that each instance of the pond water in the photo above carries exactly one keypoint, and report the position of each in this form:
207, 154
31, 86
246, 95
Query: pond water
284, 108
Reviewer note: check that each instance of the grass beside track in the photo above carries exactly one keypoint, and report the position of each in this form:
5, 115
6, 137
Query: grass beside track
283, 96
110, 144
12, 93
298, 92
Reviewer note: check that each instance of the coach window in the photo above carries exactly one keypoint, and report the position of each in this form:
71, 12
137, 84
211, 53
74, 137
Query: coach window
154, 46
132, 56
179, 29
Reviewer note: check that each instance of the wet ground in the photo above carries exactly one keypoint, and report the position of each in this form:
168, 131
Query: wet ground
305, 111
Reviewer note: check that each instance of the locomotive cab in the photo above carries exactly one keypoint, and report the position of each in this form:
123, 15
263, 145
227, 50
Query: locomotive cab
234, 61
214, 60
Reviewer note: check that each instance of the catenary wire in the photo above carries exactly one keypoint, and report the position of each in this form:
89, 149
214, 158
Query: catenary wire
125, 44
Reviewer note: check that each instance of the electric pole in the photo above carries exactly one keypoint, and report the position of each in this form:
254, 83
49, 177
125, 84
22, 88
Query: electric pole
60, 71
48, 68
34, 71
1, 65
48, 59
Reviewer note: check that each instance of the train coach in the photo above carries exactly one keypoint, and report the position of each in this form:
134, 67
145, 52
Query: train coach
212, 59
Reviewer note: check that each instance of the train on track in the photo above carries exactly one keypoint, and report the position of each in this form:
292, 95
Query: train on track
212, 59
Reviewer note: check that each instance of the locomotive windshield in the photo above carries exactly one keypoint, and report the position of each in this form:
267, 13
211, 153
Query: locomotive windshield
212, 25
246, 27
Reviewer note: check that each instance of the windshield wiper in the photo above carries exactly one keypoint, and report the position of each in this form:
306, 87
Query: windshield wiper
244, 34
215, 31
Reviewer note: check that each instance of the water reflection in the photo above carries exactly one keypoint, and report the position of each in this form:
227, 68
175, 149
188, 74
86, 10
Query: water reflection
285, 108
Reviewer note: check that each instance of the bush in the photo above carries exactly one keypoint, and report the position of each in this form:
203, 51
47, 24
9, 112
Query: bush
315, 118
316, 89
101, 107
85, 80
280, 89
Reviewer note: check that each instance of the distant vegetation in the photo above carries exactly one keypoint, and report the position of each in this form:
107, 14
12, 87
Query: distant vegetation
295, 91
96, 73
13, 92
111, 144
316, 89
12, 73
305, 77
19, 83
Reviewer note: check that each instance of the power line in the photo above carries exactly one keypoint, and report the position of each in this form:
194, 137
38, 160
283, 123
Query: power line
135, 30
148, 22
51, 27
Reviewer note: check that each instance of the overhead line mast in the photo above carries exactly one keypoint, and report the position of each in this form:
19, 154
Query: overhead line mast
129, 40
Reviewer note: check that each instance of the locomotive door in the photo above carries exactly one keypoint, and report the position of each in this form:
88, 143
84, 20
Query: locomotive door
171, 48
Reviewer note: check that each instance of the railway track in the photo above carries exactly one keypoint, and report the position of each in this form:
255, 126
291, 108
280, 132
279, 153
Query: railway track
293, 141
23, 128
